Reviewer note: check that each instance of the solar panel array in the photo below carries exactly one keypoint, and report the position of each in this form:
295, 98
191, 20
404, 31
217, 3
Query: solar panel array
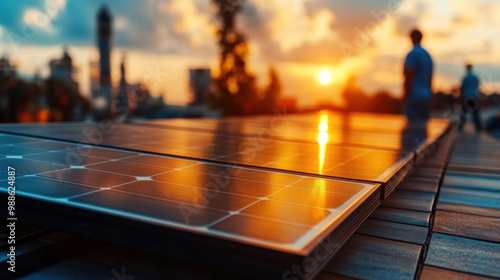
279, 194
358, 163
346, 129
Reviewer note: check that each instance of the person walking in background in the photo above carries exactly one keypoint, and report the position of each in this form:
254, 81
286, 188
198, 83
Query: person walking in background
469, 93
418, 70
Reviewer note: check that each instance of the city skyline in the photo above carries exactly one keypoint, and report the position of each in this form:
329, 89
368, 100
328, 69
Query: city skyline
163, 39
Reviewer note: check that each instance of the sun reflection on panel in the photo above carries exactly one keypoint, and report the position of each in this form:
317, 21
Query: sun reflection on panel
323, 123
322, 140
319, 193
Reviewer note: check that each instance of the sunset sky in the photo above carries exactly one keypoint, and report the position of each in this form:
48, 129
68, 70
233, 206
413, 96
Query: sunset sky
301, 38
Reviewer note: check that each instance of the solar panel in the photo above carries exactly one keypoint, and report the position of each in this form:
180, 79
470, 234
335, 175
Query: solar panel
111, 190
225, 197
352, 129
355, 163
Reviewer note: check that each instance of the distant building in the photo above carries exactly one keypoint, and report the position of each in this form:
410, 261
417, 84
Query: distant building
94, 78
62, 70
6, 69
200, 82
7, 72
139, 100
102, 98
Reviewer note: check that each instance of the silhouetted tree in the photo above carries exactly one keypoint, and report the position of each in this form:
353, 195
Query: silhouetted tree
7, 103
383, 102
442, 101
272, 93
380, 102
355, 98
20, 98
235, 89
62, 99
22, 101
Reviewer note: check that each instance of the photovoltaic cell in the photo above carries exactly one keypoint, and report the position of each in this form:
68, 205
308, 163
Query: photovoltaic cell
50, 188
10, 151
88, 177
127, 168
283, 211
259, 228
156, 209
189, 195
6, 140
30, 167
222, 183
47, 145
65, 158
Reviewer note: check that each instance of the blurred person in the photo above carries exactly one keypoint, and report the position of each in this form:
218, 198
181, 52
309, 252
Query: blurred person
469, 93
418, 70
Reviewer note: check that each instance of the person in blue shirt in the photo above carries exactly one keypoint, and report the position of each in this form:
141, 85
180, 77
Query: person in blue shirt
418, 70
469, 93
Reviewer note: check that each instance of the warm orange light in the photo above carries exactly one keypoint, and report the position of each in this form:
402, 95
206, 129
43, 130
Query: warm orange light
323, 123
325, 77
322, 140
320, 192
43, 116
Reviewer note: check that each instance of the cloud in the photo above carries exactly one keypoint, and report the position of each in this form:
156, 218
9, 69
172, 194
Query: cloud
355, 14
290, 25
120, 23
43, 15
190, 22
285, 31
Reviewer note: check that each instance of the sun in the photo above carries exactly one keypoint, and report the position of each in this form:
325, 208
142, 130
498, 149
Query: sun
324, 77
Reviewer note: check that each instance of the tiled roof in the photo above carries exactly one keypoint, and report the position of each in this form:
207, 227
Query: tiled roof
443, 222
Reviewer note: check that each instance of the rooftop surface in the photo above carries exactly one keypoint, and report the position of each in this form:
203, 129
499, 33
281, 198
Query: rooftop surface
442, 222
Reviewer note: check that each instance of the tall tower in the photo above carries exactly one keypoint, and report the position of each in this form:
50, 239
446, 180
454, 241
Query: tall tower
122, 108
102, 102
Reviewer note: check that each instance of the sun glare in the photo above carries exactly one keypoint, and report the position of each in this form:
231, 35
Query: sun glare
323, 123
324, 77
